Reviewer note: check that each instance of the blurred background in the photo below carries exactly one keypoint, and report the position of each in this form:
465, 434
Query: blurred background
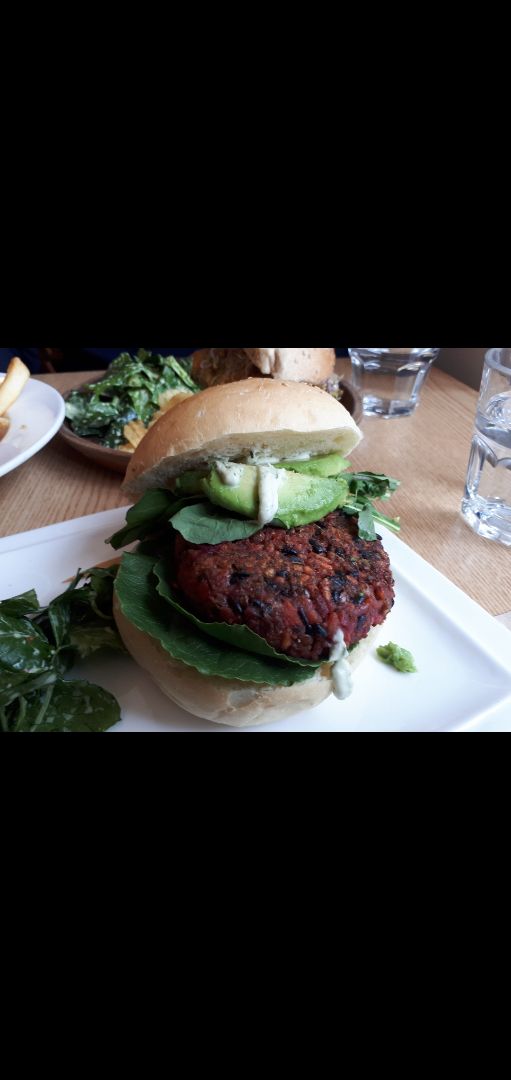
464, 364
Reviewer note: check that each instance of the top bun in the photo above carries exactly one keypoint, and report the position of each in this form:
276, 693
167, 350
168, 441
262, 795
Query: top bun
253, 420
212, 367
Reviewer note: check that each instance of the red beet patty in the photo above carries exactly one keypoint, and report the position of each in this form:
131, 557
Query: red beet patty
294, 587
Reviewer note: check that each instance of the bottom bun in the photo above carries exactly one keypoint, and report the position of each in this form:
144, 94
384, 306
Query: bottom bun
227, 701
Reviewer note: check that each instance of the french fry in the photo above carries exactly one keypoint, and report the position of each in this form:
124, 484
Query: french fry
11, 387
167, 400
4, 427
134, 432
172, 396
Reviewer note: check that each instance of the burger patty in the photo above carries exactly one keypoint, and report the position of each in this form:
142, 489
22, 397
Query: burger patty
293, 587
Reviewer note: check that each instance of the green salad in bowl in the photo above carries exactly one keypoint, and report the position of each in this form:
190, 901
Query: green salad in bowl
116, 410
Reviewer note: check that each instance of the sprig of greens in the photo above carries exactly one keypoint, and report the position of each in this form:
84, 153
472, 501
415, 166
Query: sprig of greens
363, 488
130, 390
203, 523
38, 645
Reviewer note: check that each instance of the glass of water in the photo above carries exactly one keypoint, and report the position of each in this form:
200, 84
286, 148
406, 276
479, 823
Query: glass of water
390, 380
487, 503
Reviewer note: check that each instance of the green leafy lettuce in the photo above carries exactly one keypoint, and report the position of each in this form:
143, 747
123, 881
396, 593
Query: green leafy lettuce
241, 636
202, 522
179, 634
152, 513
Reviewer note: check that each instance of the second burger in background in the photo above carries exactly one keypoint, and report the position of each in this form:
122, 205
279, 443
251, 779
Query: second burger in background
214, 367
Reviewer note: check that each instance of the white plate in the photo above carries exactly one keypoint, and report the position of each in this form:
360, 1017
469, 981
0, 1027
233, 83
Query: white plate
463, 654
35, 418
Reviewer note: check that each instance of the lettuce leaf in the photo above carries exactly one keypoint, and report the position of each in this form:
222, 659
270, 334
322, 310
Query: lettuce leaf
137, 594
242, 637
149, 515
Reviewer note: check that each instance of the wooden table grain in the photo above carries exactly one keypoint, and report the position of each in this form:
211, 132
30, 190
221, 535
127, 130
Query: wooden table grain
428, 452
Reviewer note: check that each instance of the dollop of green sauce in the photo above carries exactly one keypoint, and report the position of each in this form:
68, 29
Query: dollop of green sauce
398, 657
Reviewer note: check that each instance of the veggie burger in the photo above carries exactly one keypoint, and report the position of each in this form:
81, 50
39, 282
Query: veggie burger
259, 580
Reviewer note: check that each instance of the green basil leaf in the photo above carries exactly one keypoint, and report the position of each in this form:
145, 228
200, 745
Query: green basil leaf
59, 615
17, 606
22, 646
202, 523
153, 509
14, 685
69, 706
88, 639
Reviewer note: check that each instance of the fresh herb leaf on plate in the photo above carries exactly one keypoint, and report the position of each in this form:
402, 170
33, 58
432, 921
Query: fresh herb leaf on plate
38, 645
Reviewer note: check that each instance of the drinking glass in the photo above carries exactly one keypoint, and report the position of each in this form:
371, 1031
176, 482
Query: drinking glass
390, 380
486, 506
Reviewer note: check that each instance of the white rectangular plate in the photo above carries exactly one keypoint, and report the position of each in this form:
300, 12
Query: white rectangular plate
462, 653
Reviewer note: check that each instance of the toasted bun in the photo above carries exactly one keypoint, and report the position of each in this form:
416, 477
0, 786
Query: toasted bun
254, 419
307, 365
212, 367
227, 701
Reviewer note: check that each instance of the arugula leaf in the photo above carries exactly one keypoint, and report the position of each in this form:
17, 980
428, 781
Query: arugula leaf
135, 589
240, 636
203, 523
363, 488
366, 527
372, 485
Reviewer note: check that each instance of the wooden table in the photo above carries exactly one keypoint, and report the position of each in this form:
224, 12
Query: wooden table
428, 452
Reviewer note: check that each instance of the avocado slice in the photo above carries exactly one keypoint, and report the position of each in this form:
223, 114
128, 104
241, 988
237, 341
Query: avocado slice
331, 465
189, 483
302, 498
